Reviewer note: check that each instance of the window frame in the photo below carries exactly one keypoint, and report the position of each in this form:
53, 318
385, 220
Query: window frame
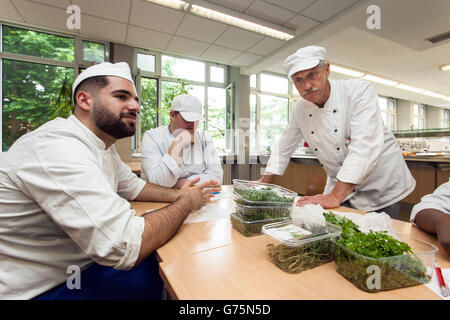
136, 141
76, 65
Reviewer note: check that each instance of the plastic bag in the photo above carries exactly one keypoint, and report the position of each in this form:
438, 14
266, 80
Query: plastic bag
309, 217
374, 221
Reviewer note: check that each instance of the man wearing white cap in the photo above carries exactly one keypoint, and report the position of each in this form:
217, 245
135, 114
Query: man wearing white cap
342, 124
64, 208
173, 154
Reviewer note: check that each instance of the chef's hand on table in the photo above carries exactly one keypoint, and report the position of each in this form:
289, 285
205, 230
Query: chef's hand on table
330, 200
325, 200
198, 195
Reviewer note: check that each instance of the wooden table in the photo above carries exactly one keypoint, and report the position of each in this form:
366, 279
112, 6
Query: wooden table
210, 260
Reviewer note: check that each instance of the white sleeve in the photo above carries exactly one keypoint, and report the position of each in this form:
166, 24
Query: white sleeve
282, 151
438, 200
130, 185
213, 165
367, 137
158, 166
68, 184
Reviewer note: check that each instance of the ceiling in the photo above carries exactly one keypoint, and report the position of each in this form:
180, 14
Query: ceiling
397, 51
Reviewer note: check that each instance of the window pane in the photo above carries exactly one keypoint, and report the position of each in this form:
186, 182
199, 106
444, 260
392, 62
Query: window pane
274, 118
392, 105
216, 116
217, 74
183, 68
149, 111
253, 81
274, 84
253, 120
383, 104
421, 111
146, 62
30, 97
170, 90
94, 52
416, 109
384, 117
416, 123
38, 44
392, 122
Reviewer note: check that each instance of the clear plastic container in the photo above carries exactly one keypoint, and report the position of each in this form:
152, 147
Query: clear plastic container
258, 204
380, 274
252, 193
243, 220
294, 249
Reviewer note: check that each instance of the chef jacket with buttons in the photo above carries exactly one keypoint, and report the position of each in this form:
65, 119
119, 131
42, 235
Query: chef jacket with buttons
351, 142
198, 160
438, 200
63, 203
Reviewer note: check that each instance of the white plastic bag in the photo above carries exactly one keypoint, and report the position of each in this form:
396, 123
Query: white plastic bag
374, 221
309, 217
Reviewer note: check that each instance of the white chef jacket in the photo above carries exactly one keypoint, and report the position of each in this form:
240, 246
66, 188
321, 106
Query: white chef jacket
200, 160
350, 140
61, 204
439, 200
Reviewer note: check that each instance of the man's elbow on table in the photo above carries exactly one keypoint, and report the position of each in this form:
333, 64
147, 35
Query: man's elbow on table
435, 222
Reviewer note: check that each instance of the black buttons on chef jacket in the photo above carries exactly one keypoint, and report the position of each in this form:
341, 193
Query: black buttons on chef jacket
310, 115
338, 148
335, 130
334, 111
315, 149
312, 132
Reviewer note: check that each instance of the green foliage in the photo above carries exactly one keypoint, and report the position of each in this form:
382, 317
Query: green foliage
63, 106
372, 244
30, 89
265, 194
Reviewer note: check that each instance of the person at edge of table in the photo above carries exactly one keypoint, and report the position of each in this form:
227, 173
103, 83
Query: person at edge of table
341, 121
175, 153
432, 214
66, 228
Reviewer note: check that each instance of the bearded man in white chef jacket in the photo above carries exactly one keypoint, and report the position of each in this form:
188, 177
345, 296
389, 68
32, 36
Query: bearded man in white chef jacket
432, 214
64, 208
342, 124
174, 154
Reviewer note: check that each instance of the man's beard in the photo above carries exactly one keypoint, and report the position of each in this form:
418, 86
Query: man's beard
112, 125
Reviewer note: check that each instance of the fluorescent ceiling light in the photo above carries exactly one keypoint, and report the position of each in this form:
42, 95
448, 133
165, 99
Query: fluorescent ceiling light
409, 88
445, 67
434, 94
380, 80
175, 4
238, 22
346, 71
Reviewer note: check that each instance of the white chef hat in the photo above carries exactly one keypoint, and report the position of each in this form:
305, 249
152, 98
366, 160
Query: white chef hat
304, 59
189, 106
120, 69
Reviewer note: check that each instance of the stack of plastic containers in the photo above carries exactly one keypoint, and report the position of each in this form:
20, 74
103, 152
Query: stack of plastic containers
258, 204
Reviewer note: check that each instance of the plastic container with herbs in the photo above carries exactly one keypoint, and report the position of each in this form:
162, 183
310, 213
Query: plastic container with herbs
294, 249
258, 204
376, 261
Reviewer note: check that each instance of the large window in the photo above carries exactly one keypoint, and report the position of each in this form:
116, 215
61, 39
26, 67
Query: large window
388, 112
37, 72
162, 77
418, 117
271, 100
445, 118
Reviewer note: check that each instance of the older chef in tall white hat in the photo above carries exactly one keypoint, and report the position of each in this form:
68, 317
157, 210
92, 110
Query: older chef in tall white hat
341, 121
175, 153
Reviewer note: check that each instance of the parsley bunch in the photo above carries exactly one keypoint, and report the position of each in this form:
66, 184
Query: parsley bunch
372, 244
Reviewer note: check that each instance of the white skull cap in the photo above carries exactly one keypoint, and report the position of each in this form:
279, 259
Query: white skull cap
189, 106
120, 69
304, 59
